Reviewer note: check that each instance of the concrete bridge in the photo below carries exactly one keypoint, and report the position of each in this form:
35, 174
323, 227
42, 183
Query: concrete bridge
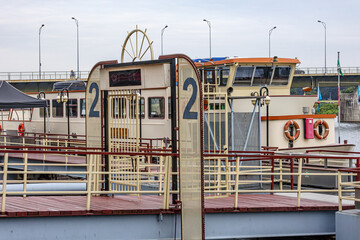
304, 77
311, 77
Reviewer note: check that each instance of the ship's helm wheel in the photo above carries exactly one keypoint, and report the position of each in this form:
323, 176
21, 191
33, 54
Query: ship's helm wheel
137, 46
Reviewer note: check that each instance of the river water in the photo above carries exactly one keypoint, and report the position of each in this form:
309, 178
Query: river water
349, 132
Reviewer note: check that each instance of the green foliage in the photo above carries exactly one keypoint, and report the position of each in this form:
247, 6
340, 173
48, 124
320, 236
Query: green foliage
327, 108
348, 90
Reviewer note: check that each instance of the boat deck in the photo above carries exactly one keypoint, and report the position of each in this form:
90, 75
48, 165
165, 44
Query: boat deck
39, 206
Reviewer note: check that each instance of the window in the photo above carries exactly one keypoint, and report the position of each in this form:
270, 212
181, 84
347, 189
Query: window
82, 107
210, 76
73, 108
119, 108
262, 76
57, 109
243, 76
41, 110
141, 108
281, 76
169, 107
5, 114
156, 107
21, 114
224, 76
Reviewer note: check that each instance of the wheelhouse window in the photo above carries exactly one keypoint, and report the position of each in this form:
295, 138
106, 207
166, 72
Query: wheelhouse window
281, 76
262, 76
132, 108
73, 108
57, 109
41, 110
224, 76
82, 108
243, 76
157, 107
119, 108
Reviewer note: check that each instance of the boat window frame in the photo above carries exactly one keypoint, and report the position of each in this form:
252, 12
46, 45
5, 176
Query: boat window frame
52, 108
149, 107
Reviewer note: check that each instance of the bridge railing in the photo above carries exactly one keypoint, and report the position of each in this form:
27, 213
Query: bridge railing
329, 70
46, 75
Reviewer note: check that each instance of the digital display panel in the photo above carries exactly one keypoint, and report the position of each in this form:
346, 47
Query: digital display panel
125, 78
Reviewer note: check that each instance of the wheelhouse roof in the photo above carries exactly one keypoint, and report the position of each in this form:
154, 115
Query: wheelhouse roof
248, 61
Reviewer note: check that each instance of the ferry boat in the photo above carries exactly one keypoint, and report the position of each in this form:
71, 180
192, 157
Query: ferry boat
235, 91
287, 121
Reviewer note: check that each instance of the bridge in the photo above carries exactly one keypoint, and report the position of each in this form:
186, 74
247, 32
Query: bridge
314, 76
304, 77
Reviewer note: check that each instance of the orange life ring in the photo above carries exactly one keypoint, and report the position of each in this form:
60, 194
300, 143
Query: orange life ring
286, 130
21, 130
324, 133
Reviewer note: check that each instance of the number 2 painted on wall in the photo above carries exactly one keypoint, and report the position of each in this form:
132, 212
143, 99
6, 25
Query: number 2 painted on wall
187, 113
92, 112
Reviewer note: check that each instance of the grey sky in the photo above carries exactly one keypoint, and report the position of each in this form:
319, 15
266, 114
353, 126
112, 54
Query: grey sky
239, 28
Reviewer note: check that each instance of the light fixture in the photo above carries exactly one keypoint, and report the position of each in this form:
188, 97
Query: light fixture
267, 100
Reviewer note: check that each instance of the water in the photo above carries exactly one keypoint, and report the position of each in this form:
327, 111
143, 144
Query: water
350, 132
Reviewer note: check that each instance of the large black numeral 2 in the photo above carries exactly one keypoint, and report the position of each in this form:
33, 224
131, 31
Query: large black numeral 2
187, 113
92, 112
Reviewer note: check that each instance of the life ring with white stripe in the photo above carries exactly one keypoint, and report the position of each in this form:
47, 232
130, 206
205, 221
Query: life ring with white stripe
287, 132
323, 124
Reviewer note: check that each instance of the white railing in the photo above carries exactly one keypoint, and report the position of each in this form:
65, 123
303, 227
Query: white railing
45, 75
329, 70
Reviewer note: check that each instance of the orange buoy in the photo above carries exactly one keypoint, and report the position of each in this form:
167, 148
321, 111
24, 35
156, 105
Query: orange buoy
286, 130
325, 133
21, 129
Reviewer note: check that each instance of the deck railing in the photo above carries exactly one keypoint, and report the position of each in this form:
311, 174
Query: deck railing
45, 75
225, 175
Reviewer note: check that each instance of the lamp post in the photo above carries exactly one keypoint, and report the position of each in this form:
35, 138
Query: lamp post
209, 24
267, 102
77, 43
270, 31
324, 25
162, 33
64, 98
42, 96
40, 50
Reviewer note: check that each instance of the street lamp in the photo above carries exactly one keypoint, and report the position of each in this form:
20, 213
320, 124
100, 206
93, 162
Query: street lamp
270, 31
77, 41
209, 24
42, 96
64, 98
324, 25
40, 51
162, 33
266, 100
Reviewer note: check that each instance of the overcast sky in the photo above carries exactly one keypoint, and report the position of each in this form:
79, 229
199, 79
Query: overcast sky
239, 28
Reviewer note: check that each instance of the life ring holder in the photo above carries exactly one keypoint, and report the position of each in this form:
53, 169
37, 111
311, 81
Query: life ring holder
21, 130
287, 132
316, 132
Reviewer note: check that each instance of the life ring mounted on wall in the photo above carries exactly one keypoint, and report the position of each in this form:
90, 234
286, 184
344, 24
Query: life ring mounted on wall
321, 133
21, 130
287, 132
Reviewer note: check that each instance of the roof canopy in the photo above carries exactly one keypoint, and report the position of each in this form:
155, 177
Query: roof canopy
10, 97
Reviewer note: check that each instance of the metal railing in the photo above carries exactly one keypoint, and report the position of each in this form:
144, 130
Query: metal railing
225, 175
347, 185
329, 70
45, 76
